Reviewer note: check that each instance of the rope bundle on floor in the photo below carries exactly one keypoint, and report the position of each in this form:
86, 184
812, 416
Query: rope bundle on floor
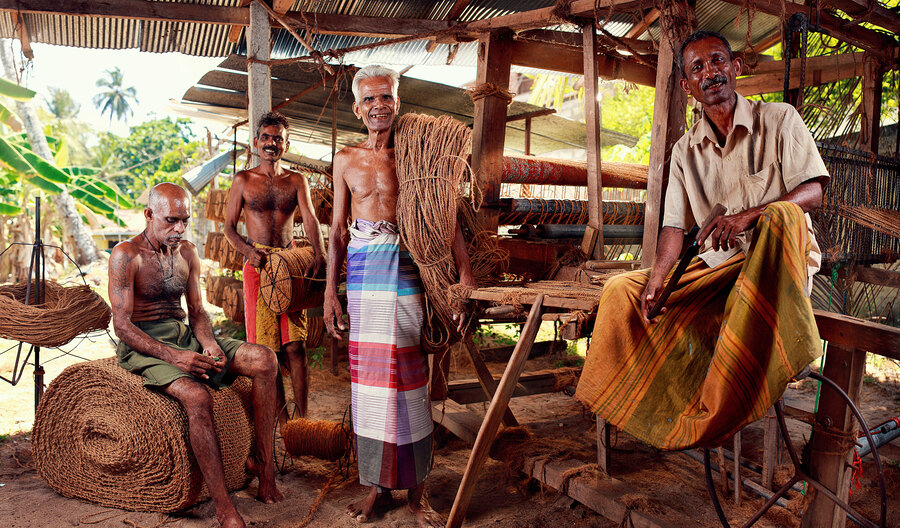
283, 284
322, 439
100, 436
65, 313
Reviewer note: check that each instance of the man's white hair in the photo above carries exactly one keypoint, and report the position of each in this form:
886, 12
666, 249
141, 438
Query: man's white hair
371, 71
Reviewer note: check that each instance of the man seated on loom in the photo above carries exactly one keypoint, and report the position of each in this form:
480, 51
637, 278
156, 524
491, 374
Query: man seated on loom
148, 274
388, 370
740, 325
268, 195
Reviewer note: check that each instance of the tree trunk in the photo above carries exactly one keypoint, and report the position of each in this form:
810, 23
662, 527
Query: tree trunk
85, 249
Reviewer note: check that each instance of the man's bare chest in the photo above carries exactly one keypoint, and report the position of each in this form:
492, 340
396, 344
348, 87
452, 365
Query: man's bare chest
271, 198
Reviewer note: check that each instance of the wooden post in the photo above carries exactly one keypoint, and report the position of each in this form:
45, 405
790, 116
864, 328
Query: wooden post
491, 422
592, 123
845, 367
259, 84
870, 109
486, 379
737, 469
770, 449
668, 119
489, 126
603, 445
526, 188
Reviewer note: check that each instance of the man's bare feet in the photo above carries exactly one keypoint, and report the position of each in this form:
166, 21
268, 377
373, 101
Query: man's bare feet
230, 519
268, 491
425, 515
362, 510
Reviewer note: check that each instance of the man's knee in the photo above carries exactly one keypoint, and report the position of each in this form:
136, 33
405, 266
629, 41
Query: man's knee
295, 351
192, 395
261, 360
781, 211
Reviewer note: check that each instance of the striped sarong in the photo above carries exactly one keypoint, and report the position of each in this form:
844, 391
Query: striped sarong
391, 410
722, 354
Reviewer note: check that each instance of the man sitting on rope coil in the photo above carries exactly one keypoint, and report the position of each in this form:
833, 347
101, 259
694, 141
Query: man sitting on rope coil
268, 195
740, 325
148, 274
388, 370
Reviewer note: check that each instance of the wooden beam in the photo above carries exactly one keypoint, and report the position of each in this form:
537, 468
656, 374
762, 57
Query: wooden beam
843, 61
668, 120
457, 419
489, 123
870, 107
568, 59
259, 82
539, 382
845, 367
486, 379
538, 18
585, 305
818, 74
297, 36
853, 333
491, 423
282, 6
568, 38
878, 43
644, 25
363, 26
458, 7
592, 124
877, 276
528, 115
865, 11
22, 33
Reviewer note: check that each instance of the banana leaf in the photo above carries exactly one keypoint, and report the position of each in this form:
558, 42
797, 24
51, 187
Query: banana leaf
8, 118
47, 170
15, 91
7, 209
45, 185
11, 157
93, 203
115, 218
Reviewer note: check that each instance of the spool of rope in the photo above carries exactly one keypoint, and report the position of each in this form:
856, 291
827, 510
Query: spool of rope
282, 283
315, 331
100, 436
65, 313
322, 439
233, 304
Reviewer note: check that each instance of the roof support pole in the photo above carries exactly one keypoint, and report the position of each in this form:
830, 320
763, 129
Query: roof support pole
592, 244
677, 22
489, 126
870, 109
259, 84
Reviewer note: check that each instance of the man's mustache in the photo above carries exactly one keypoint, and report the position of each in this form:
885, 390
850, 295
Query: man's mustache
718, 79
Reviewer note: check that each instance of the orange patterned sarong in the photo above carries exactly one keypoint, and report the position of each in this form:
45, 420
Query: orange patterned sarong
722, 354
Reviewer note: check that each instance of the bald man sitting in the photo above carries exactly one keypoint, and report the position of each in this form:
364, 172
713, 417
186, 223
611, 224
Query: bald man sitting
148, 274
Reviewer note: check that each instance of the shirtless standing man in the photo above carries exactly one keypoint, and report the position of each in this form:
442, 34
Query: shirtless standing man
268, 194
389, 374
148, 274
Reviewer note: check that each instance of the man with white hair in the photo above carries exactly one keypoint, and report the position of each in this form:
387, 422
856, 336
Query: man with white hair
148, 275
389, 373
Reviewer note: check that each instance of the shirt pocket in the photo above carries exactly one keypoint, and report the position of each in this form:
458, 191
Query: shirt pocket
763, 186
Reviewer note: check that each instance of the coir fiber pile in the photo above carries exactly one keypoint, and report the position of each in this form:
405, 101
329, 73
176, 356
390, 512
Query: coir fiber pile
100, 436
65, 313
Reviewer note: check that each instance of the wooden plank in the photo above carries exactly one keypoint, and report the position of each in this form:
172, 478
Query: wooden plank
282, 6
870, 107
488, 430
845, 367
585, 305
668, 122
530, 383
22, 33
877, 276
569, 59
644, 25
604, 497
487, 381
842, 61
259, 81
774, 82
457, 419
489, 123
736, 472
603, 445
853, 333
573, 40
770, 448
538, 18
527, 116
872, 12
592, 125
458, 7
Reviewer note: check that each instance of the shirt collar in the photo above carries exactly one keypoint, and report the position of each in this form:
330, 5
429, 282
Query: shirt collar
743, 116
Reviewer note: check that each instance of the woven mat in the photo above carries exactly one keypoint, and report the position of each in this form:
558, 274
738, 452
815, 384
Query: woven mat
100, 436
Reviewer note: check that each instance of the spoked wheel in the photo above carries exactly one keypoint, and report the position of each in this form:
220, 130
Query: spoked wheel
282, 457
801, 473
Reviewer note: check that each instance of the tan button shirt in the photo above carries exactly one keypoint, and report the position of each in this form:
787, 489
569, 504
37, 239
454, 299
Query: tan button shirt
768, 153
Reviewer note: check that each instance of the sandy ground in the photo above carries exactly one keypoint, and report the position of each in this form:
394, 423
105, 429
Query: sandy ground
666, 485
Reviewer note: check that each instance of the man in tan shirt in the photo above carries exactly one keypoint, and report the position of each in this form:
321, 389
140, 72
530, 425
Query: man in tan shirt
740, 323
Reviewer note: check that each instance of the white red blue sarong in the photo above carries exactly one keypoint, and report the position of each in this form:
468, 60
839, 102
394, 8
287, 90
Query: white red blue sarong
388, 371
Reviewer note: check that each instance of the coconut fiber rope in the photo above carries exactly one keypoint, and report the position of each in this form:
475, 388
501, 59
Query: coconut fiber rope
324, 439
283, 284
65, 313
100, 436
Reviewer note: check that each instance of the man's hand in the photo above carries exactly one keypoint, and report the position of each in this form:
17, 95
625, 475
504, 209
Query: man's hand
649, 295
214, 351
333, 315
723, 230
316, 267
193, 363
256, 257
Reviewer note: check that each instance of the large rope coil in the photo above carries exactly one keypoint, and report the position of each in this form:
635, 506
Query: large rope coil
66, 312
283, 283
100, 436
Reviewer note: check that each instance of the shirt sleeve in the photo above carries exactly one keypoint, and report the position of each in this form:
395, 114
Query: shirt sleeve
800, 158
677, 211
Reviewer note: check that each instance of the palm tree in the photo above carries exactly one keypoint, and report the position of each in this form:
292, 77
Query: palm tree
61, 104
114, 98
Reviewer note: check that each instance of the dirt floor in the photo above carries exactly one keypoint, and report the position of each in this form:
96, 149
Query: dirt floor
668, 486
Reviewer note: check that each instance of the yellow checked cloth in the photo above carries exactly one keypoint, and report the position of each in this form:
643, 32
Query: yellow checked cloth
263, 326
722, 354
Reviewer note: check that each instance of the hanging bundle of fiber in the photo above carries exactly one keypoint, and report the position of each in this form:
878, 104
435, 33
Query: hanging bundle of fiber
65, 313
283, 283
430, 154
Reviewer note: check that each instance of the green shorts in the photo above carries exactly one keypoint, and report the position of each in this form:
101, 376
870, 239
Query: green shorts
174, 333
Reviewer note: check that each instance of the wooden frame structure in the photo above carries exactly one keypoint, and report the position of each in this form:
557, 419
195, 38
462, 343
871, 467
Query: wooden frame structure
511, 39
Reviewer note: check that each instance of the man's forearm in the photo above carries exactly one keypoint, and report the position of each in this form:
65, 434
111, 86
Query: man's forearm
201, 326
671, 239
237, 240
140, 341
337, 252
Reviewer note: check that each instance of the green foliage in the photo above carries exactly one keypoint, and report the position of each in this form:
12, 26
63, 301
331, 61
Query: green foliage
15, 91
61, 104
629, 111
551, 91
114, 98
316, 357
491, 335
